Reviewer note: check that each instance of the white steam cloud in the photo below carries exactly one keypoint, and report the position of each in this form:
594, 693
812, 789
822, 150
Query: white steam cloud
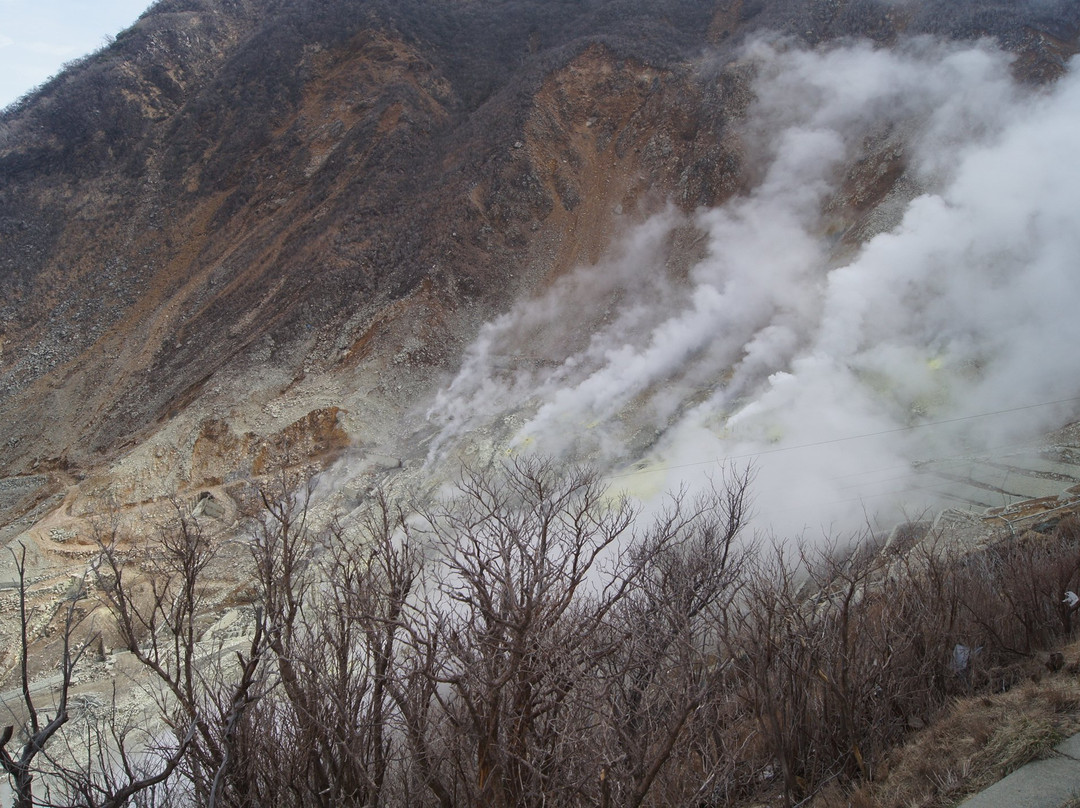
832, 368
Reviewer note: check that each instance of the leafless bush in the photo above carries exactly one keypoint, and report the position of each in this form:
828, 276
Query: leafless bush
663, 679
841, 653
527, 642
1012, 591
108, 759
99, 769
531, 568
335, 603
37, 730
156, 595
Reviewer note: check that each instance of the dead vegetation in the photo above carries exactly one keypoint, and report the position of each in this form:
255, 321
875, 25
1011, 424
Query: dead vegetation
531, 641
977, 741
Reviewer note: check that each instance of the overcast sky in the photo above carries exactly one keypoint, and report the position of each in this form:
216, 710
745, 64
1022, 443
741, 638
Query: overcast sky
38, 36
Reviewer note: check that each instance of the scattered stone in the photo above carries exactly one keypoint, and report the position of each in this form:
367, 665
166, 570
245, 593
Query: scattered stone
62, 535
206, 505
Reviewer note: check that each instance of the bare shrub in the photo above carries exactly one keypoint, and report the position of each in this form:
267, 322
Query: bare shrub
664, 682
562, 659
37, 729
841, 653
103, 767
1012, 591
531, 569
527, 642
157, 597
335, 618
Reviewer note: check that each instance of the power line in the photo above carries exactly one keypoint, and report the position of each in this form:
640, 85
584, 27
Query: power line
813, 444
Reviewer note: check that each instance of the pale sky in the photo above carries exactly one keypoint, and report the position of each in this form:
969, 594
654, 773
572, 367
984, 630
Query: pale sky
38, 36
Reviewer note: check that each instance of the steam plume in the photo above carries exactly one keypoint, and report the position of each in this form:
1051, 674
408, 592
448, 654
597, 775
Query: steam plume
834, 369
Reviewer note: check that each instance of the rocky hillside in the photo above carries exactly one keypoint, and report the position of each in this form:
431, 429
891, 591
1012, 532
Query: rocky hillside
252, 232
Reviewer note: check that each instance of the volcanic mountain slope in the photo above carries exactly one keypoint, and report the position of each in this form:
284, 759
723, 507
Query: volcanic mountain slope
376, 238
249, 232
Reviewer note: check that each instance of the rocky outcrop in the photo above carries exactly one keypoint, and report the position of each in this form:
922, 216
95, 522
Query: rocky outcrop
221, 457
